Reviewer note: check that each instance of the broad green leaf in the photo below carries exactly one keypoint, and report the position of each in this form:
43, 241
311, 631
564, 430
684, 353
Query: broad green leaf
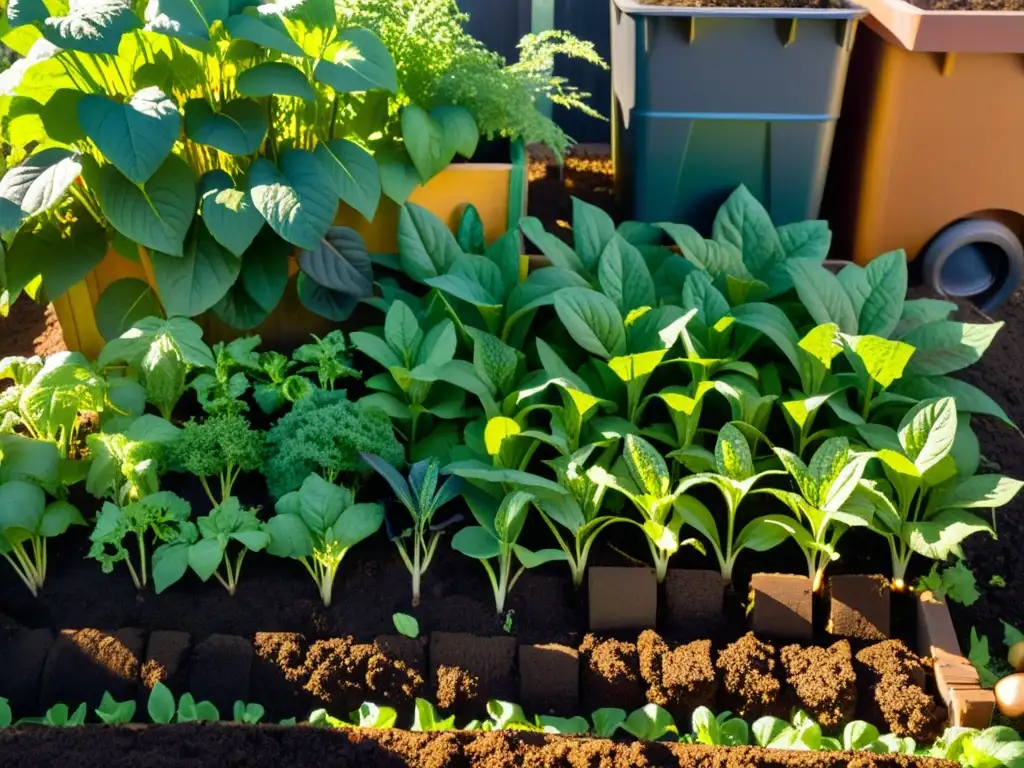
592, 231
700, 293
289, 536
354, 174
228, 212
470, 234
260, 285
205, 556
494, 360
358, 522
969, 399
732, 454
941, 535
718, 259
499, 429
21, 507
883, 359
927, 432
624, 278
135, 136
649, 723
191, 284
92, 27
554, 248
264, 30
238, 129
122, 304
592, 320
160, 704
36, 185
296, 197
978, 492
187, 20
607, 720
459, 128
806, 239
476, 542
398, 177
340, 263
886, 276
822, 294
773, 323
58, 256
822, 343
946, 346
918, 312
358, 62
633, 367
274, 78
760, 535
426, 246
425, 141
477, 470
531, 559
745, 224
646, 466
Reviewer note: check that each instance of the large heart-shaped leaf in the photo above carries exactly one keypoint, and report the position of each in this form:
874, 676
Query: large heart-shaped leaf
459, 128
191, 284
238, 129
398, 176
228, 212
22, 12
296, 198
156, 215
340, 262
268, 31
354, 173
60, 256
260, 284
311, 23
137, 135
425, 141
124, 303
36, 185
275, 78
186, 20
357, 62
92, 26
333, 305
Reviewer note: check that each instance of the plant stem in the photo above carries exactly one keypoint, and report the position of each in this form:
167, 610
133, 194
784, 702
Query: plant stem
135, 576
206, 487
417, 544
24, 580
867, 399
142, 558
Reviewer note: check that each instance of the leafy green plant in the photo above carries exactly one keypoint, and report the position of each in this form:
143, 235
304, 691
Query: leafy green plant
367, 716
221, 391
649, 723
496, 537
222, 446
19, 371
250, 714
161, 353
327, 358
735, 479
162, 515
422, 497
426, 718
58, 716
113, 712
317, 525
607, 721
990, 668
955, 582
325, 433
162, 708
276, 385
27, 522
5, 713
990, 748
406, 625
204, 547
125, 466
722, 730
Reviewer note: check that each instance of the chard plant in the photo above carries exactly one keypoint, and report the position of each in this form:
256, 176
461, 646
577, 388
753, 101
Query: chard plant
203, 547
125, 466
735, 479
327, 358
642, 476
422, 497
927, 506
318, 525
162, 517
221, 447
221, 391
27, 521
496, 536
831, 500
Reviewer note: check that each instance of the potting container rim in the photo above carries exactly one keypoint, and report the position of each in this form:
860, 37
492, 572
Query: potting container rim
634, 8
942, 31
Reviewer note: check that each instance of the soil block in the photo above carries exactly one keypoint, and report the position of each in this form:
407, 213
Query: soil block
549, 679
693, 595
751, 682
468, 671
84, 663
890, 690
219, 671
622, 598
167, 657
610, 675
782, 606
337, 674
278, 675
22, 658
396, 670
681, 679
859, 607
823, 681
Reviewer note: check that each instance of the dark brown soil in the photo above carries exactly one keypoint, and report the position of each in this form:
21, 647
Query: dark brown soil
890, 683
278, 677
782, 606
750, 682
859, 607
681, 679
84, 663
216, 746
22, 658
622, 598
219, 671
30, 329
610, 675
167, 657
693, 598
469, 671
823, 681
549, 679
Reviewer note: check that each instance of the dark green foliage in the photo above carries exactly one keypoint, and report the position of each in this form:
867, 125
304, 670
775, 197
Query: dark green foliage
223, 446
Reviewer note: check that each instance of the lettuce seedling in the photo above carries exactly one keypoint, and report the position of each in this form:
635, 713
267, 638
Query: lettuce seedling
125, 466
164, 515
650, 723
993, 747
115, 712
423, 498
162, 709
327, 358
426, 718
27, 521
642, 476
250, 714
223, 446
722, 730
58, 716
735, 479
219, 392
206, 551
496, 537
607, 721
367, 716
317, 525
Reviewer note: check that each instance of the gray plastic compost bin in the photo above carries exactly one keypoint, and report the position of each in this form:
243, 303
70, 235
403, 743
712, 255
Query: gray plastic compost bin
708, 98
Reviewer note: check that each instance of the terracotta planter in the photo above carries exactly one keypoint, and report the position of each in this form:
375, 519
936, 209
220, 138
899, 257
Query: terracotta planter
859, 607
549, 679
693, 596
931, 147
486, 185
782, 606
623, 598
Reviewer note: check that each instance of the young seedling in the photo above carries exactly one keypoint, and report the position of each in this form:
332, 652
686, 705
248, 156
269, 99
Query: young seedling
327, 358
317, 525
650, 723
423, 498
162, 709
125, 466
496, 537
406, 625
250, 714
113, 712
955, 582
276, 385
722, 730
58, 716
220, 392
426, 718
222, 447
367, 716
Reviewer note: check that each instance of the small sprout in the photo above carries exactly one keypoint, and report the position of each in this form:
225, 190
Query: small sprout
510, 616
650, 723
997, 581
406, 625
5, 713
607, 721
248, 713
115, 712
426, 718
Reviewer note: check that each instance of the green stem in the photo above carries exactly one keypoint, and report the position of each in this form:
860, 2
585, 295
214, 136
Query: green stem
142, 558
24, 580
867, 399
135, 576
206, 487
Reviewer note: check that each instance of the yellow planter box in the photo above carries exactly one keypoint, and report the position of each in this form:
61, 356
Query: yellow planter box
486, 185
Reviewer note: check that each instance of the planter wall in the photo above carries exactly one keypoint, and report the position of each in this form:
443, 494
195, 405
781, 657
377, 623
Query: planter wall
490, 187
706, 99
930, 137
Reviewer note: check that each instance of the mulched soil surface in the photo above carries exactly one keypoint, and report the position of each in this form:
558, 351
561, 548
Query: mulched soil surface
210, 746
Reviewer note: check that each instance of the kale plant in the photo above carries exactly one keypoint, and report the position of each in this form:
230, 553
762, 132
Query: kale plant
221, 447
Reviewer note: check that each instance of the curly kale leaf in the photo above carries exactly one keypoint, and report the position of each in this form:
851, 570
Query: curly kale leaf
223, 446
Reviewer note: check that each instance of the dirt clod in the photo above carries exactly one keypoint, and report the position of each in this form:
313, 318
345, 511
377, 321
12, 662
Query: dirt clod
751, 686
823, 681
610, 675
680, 679
890, 681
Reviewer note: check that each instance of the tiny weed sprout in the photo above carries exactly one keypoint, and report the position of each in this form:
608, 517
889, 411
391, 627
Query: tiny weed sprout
317, 525
496, 536
422, 497
406, 625
997, 581
509, 624
327, 358
222, 447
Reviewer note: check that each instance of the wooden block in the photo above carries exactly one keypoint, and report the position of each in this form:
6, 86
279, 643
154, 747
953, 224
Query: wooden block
971, 707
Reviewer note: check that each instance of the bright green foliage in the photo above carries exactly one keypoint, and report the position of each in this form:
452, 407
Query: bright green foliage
426, 718
955, 582
327, 358
317, 525
58, 716
650, 723
115, 712
735, 478
722, 730
991, 748
250, 714
367, 716
325, 433
220, 391
163, 710
222, 447
27, 521
163, 516
406, 625
496, 536
422, 497
126, 466
276, 385
205, 550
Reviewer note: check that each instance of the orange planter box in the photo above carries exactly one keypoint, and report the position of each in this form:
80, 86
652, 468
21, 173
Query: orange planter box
485, 185
930, 132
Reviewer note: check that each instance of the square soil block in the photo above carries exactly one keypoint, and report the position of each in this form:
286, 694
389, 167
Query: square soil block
84, 663
219, 671
468, 671
167, 657
23, 655
935, 633
782, 606
693, 595
623, 598
859, 607
678, 679
610, 675
549, 679
279, 674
